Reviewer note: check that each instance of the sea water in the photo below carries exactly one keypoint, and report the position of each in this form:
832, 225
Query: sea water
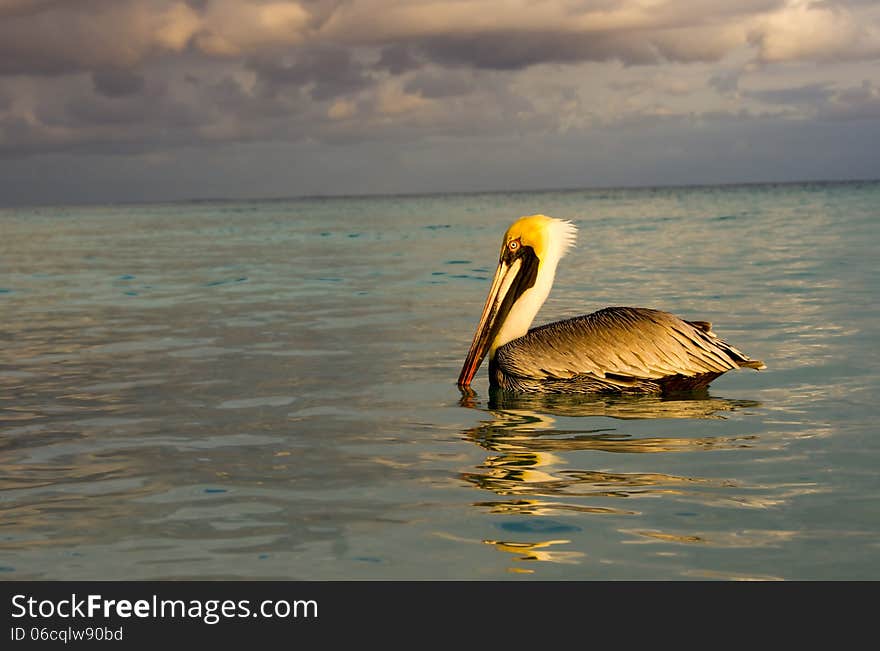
266, 390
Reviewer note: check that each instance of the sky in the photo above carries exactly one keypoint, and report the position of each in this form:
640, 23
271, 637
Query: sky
155, 100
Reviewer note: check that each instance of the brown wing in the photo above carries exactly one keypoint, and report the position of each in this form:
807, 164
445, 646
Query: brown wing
620, 343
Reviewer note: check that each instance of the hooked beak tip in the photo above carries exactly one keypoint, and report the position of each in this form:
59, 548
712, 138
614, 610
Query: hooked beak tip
465, 378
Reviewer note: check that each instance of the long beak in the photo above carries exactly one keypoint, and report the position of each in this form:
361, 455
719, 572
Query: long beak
491, 320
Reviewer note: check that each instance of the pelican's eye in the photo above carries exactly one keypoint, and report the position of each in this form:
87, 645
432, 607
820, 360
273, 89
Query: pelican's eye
513, 245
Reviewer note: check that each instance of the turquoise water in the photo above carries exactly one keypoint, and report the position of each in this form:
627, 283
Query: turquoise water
267, 390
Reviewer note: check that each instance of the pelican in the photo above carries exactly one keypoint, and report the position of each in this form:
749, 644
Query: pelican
614, 350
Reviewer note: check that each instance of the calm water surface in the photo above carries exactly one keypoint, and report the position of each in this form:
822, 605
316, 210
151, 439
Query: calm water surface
266, 390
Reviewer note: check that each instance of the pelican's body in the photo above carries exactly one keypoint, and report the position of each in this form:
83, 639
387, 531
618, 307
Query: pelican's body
617, 349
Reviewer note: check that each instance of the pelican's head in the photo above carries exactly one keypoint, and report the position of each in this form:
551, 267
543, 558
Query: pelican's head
530, 250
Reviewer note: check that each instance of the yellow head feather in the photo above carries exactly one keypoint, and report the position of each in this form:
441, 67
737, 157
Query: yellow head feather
544, 234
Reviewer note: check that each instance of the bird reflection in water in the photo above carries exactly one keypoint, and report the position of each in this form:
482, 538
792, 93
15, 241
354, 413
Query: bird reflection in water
694, 404
536, 551
529, 472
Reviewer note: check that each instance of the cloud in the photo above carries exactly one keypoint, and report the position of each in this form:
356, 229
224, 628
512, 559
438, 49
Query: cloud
117, 83
12, 8
327, 71
825, 101
435, 85
726, 82
159, 77
5, 99
803, 30
860, 103
807, 95
62, 37
233, 27
398, 58
513, 34
52, 37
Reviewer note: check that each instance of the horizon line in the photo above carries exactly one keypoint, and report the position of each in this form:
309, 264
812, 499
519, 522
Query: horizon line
439, 193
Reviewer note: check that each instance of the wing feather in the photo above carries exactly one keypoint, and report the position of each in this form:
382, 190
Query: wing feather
623, 343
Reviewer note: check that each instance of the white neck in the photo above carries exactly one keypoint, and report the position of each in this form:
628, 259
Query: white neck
523, 312
560, 237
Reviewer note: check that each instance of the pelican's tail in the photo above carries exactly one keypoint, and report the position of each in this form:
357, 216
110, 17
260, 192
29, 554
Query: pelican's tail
742, 360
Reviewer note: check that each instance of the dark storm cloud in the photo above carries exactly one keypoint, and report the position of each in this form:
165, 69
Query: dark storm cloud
117, 83
437, 85
156, 110
53, 38
46, 37
515, 34
12, 8
515, 52
5, 99
325, 71
399, 58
